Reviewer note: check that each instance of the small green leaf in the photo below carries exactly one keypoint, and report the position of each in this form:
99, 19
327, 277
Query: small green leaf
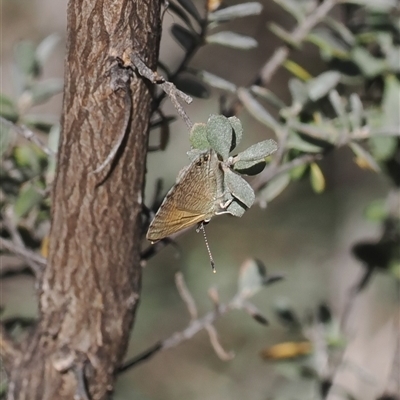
293, 7
45, 90
249, 167
297, 70
217, 82
295, 142
46, 47
239, 188
258, 151
25, 57
338, 106
256, 109
184, 37
174, 8
376, 211
317, 178
26, 157
382, 148
329, 44
298, 90
236, 209
8, 109
298, 172
390, 102
357, 111
251, 278
363, 158
268, 95
232, 39
5, 138
191, 86
191, 9
198, 137
237, 131
220, 135
322, 84
274, 188
27, 199
284, 35
369, 65
237, 11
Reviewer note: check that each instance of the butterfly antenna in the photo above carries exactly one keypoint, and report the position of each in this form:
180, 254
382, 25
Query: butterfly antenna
201, 227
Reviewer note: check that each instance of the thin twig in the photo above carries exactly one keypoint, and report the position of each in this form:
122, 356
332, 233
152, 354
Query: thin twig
296, 37
177, 338
8, 217
169, 88
219, 350
27, 134
81, 387
21, 251
186, 295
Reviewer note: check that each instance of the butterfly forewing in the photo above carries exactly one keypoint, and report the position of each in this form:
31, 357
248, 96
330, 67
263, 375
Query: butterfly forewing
194, 197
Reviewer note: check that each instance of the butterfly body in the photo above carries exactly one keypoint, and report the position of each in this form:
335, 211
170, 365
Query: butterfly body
197, 196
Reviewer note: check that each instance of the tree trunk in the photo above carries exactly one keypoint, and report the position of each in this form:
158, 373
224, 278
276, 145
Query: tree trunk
90, 288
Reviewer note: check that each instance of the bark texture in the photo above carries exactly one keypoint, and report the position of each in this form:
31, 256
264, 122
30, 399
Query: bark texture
90, 288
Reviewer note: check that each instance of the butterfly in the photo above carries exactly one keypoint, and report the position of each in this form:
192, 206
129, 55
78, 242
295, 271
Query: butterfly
196, 197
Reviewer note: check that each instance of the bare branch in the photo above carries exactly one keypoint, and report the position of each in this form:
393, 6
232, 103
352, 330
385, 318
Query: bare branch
192, 329
296, 37
19, 245
186, 295
27, 134
169, 88
219, 350
23, 252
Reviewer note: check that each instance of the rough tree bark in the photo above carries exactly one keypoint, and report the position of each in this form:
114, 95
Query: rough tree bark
90, 288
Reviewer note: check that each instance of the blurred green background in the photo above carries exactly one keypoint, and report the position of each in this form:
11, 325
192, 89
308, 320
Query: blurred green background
304, 236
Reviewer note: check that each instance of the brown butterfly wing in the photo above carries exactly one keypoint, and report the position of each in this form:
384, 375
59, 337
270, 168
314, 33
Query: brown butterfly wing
191, 200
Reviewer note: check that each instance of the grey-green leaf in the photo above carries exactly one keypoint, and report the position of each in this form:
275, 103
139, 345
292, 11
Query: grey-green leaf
268, 95
46, 47
191, 9
237, 131
232, 39
28, 198
217, 82
237, 11
220, 135
298, 90
274, 188
322, 84
44, 90
198, 137
251, 278
25, 57
191, 86
258, 151
256, 109
239, 187
184, 37
236, 209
